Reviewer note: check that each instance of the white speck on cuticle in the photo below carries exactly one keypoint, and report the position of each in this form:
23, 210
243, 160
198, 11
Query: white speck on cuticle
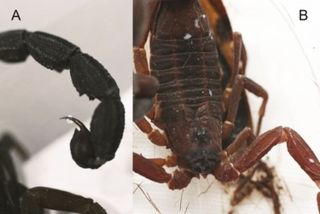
196, 23
187, 36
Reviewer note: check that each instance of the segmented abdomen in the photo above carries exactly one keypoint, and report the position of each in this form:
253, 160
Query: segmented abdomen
189, 75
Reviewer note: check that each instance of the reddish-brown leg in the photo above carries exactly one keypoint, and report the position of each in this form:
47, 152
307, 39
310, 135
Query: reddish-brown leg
237, 64
170, 161
297, 148
242, 82
154, 135
151, 169
231, 98
143, 14
248, 183
144, 11
246, 135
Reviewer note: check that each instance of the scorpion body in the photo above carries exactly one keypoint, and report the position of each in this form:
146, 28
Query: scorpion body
201, 104
190, 92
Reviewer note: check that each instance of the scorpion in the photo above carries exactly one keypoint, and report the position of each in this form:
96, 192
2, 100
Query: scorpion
89, 149
16, 198
201, 104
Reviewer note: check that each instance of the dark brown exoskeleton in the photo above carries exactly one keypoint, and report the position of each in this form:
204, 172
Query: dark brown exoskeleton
201, 105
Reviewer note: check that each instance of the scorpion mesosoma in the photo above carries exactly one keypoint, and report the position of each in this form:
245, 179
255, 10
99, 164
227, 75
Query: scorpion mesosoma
15, 198
201, 105
89, 149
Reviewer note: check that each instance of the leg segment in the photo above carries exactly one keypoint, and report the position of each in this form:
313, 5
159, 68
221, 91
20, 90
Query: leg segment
170, 161
242, 82
246, 135
264, 183
297, 148
38, 198
143, 15
7, 143
154, 135
230, 169
152, 170
149, 169
236, 66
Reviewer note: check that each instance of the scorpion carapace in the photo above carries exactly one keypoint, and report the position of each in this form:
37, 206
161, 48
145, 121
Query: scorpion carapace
201, 105
16, 198
89, 149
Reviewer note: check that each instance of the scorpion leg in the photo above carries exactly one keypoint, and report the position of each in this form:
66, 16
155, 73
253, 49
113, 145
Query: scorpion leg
297, 148
7, 142
143, 15
242, 82
153, 170
10, 142
236, 66
246, 135
169, 161
38, 198
144, 12
154, 135
149, 169
11, 189
247, 182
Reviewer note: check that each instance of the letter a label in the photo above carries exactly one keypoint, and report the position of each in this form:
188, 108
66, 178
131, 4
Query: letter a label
15, 15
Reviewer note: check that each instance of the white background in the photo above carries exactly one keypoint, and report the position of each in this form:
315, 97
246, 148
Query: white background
33, 98
284, 58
